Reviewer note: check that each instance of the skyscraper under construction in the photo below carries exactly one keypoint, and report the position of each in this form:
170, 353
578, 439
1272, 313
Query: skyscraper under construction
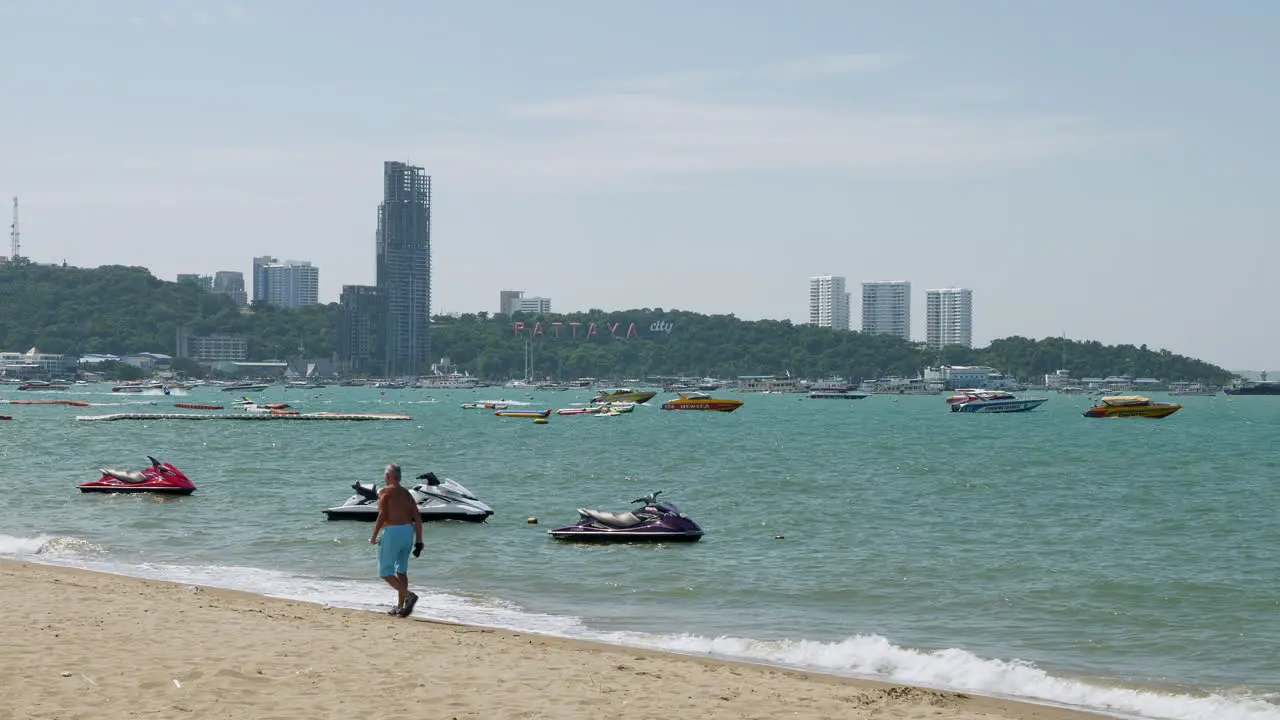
404, 269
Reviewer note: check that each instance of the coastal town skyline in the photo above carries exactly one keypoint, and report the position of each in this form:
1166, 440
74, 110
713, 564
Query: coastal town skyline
690, 164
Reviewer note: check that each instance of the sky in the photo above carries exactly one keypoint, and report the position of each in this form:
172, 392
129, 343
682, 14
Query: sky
1094, 169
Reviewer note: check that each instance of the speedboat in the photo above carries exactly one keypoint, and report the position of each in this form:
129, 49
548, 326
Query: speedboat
523, 413
41, 385
161, 478
837, 395
701, 401
654, 521
1131, 406
993, 401
245, 387
437, 500
624, 395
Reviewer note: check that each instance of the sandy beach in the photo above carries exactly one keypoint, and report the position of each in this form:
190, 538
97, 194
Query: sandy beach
80, 644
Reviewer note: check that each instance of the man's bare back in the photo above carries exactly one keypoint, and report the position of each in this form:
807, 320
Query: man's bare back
396, 506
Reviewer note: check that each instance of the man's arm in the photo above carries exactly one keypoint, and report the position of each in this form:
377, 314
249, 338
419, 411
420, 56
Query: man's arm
417, 520
382, 517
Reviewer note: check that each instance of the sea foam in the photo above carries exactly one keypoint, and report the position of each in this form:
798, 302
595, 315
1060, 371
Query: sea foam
863, 656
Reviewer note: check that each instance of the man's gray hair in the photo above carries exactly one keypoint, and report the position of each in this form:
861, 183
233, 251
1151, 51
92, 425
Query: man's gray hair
394, 470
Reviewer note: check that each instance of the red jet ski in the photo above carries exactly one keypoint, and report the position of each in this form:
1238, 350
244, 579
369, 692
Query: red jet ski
161, 478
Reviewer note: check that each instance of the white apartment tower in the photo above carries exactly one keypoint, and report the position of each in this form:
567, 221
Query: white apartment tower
886, 308
949, 317
290, 284
828, 302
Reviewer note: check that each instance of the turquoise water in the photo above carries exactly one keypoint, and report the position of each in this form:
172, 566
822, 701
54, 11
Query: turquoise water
1128, 565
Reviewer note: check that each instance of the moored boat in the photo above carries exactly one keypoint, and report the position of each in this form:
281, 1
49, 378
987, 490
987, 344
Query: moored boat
523, 413
41, 385
993, 401
624, 395
701, 401
1131, 406
837, 395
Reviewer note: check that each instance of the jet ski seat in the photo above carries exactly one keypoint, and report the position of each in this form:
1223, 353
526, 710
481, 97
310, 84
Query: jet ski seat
365, 491
129, 476
612, 519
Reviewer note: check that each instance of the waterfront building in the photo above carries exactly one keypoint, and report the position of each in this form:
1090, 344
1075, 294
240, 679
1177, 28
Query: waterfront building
515, 301
291, 284
404, 269
359, 320
828, 302
948, 318
886, 308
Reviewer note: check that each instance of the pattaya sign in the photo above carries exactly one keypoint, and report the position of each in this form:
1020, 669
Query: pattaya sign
571, 330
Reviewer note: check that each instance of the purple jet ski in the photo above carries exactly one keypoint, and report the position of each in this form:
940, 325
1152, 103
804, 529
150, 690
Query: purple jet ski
653, 522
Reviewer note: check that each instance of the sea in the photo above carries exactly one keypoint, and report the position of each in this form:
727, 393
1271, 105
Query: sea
1126, 566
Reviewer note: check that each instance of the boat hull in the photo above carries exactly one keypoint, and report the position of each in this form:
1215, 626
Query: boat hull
132, 490
1271, 388
523, 413
370, 513
999, 406
1149, 411
703, 405
575, 533
638, 397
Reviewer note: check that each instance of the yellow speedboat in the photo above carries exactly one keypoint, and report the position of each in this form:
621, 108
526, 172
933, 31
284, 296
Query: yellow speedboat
701, 401
1131, 406
622, 395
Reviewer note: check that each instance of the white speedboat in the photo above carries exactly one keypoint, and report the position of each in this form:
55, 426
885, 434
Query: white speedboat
437, 500
992, 401
837, 395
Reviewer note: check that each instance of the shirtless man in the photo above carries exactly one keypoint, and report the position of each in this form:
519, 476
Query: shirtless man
401, 523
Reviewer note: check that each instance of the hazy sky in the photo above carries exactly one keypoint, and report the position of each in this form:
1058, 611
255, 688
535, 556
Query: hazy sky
1094, 168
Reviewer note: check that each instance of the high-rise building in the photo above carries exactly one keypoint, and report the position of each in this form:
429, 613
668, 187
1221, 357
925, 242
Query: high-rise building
828, 302
949, 317
886, 308
290, 284
231, 284
404, 268
260, 277
359, 322
506, 300
204, 282
532, 305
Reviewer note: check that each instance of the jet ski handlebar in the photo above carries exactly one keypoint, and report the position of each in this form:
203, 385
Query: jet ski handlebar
648, 499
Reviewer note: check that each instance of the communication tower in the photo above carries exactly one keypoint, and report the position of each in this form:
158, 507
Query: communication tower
13, 233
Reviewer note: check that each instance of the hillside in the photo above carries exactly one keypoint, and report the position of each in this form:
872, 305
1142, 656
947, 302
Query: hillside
116, 309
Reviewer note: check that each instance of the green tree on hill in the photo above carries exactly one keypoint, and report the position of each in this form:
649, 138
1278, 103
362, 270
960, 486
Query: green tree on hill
116, 309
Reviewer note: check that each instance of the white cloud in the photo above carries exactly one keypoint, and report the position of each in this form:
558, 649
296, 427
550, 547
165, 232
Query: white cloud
828, 65
613, 136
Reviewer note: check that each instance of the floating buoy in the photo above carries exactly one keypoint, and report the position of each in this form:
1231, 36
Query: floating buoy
779, 537
540, 421
532, 521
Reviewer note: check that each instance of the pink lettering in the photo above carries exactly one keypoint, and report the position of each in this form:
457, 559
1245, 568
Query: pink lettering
517, 326
631, 331
591, 330
537, 330
613, 329
557, 325
575, 325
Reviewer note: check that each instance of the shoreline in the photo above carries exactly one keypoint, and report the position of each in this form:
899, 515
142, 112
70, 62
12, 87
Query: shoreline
117, 646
